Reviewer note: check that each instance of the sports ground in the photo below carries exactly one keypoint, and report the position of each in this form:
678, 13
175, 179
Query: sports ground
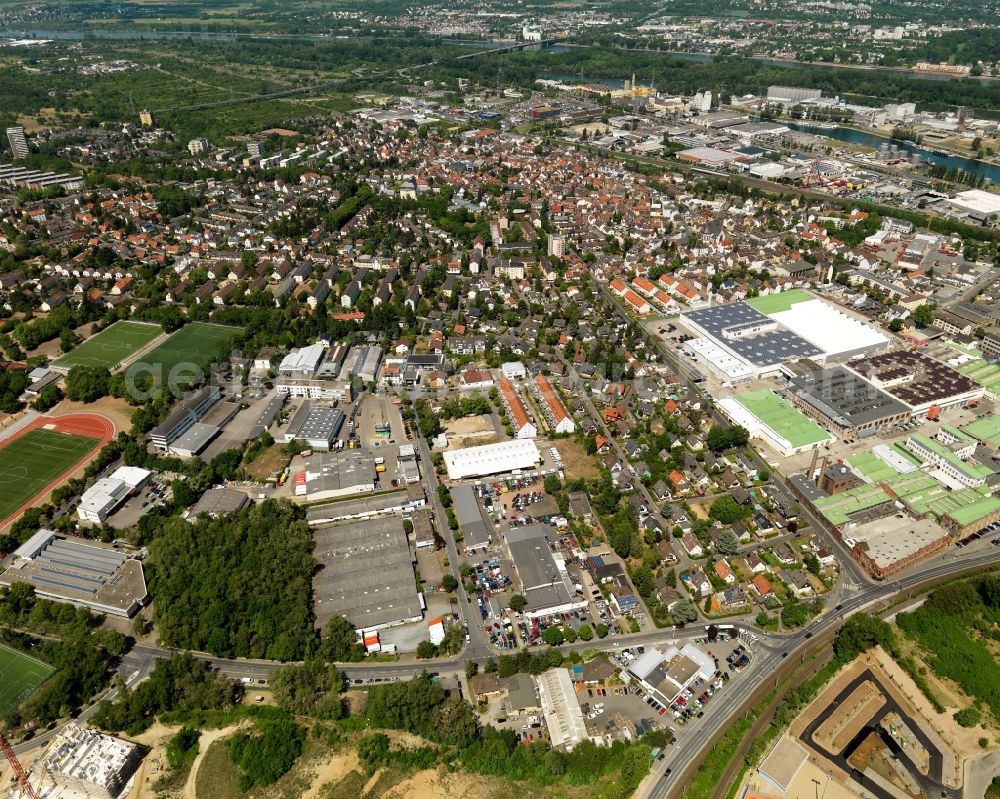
31, 461
111, 346
198, 343
39, 456
20, 675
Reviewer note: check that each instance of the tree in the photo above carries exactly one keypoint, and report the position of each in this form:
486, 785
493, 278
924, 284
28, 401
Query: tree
183, 746
683, 611
860, 633
585, 632
471, 669
87, 383
601, 630
968, 717
553, 635
426, 650
449, 583
812, 562
722, 438
955, 599
552, 484
213, 565
896, 325
726, 510
179, 682
728, 543
923, 315
340, 642
518, 603
48, 397
264, 757
373, 750
311, 688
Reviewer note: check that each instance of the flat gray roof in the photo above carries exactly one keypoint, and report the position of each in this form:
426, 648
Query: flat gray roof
847, 399
312, 422
83, 573
475, 531
542, 582
195, 438
345, 509
339, 471
365, 573
220, 500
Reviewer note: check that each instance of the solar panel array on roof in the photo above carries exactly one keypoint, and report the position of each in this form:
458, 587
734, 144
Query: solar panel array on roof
932, 380
773, 344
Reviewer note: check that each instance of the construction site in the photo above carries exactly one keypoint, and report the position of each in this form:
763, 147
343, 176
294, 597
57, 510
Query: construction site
78, 763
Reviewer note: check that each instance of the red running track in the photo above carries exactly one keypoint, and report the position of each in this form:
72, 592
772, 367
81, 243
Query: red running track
88, 425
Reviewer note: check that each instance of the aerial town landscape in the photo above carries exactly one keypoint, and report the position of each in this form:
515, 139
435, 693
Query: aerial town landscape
489, 399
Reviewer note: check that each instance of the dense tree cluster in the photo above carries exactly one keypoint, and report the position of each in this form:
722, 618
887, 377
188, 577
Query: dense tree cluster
82, 655
236, 586
950, 628
263, 756
721, 438
311, 688
87, 383
421, 707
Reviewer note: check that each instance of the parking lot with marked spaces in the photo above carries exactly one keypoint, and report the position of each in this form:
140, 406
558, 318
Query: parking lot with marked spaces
29, 462
197, 344
20, 675
111, 346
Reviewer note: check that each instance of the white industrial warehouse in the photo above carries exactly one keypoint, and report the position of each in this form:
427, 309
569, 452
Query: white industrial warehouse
103, 497
507, 456
833, 331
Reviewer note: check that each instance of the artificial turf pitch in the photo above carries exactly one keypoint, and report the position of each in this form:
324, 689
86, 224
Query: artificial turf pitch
111, 346
31, 461
197, 344
20, 675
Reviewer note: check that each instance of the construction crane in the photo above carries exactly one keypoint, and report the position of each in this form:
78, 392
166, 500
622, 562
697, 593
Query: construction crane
27, 792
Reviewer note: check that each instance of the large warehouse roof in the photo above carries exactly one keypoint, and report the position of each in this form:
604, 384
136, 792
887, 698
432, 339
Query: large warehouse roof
492, 459
830, 329
734, 326
543, 581
915, 379
847, 399
365, 574
79, 572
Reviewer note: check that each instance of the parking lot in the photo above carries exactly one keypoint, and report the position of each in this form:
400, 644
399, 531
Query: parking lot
153, 494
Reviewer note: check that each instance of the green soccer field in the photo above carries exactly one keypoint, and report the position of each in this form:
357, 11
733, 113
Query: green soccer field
111, 346
197, 344
20, 675
32, 461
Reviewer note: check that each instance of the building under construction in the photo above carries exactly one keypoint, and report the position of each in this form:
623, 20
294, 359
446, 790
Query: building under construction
82, 763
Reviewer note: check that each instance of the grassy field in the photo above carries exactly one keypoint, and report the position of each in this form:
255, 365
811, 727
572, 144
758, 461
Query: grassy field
112, 345
32, 461
20, 675
194, 346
